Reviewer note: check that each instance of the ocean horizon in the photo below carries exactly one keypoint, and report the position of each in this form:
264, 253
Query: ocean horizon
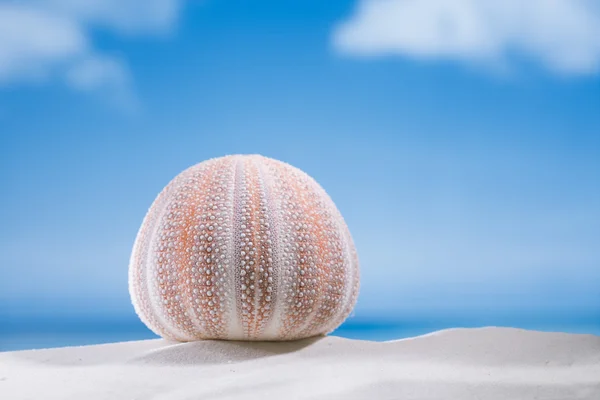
27, 333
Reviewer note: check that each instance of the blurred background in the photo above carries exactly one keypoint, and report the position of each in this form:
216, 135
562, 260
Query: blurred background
460, 140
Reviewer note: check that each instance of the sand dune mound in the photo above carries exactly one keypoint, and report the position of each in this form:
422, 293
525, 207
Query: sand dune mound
488, 363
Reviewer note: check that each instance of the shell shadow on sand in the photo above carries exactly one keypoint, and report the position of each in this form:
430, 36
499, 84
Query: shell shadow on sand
205, 352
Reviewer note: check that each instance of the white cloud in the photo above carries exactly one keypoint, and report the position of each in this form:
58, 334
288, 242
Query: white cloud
127, 16
32, 42
562, 35
91, 73
106, 75
51, 39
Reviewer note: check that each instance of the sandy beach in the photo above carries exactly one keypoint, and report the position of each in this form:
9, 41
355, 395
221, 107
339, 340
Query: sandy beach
483, 363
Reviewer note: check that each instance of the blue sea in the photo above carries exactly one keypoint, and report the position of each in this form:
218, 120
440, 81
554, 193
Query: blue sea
23, 333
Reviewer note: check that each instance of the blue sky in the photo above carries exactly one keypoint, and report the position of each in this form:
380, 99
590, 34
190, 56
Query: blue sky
461, 143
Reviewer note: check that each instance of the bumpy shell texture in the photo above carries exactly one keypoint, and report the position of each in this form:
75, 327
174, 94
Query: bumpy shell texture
243, 248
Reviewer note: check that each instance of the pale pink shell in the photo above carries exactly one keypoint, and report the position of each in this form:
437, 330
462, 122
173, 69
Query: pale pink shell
243, 248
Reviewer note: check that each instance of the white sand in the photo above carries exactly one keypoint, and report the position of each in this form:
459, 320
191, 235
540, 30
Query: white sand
463, 364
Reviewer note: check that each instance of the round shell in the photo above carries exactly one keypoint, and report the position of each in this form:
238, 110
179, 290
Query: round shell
243, 248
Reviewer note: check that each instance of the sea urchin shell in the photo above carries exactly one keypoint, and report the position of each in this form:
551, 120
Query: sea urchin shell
243, 248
